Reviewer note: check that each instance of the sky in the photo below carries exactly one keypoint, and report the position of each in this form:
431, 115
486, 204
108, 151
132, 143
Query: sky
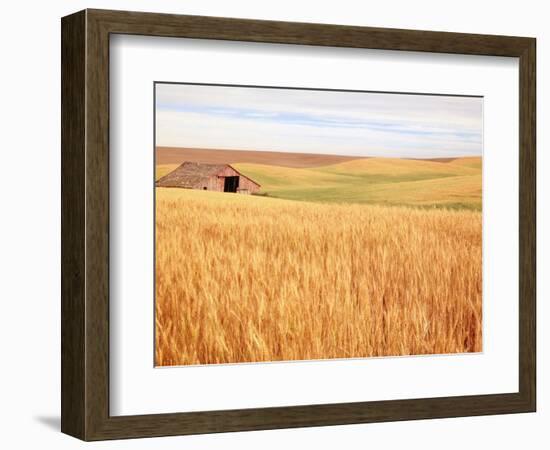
315, 121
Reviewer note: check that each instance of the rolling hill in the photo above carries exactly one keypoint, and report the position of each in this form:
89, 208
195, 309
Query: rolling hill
177, 155
450, 183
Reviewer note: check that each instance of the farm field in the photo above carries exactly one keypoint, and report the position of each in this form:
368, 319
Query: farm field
448, 184
177, 155
243, 278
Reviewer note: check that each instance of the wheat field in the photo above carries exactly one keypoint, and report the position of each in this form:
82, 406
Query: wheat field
248, 279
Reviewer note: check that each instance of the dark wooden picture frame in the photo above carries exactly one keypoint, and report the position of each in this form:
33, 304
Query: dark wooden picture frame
85, 224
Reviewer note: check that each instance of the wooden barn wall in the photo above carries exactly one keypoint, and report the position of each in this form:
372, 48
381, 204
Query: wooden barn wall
216, 182
245, 183
213, 183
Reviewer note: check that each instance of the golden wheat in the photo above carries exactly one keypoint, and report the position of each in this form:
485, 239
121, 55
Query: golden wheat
244, 279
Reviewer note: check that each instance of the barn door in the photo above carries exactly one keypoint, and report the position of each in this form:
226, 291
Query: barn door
231, 184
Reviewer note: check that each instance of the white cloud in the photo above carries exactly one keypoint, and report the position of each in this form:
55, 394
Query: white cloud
309, 121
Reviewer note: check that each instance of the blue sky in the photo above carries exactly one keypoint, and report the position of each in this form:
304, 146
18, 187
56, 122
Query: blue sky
308, 121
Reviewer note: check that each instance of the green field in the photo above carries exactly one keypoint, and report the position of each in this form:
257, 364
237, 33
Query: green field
452, 184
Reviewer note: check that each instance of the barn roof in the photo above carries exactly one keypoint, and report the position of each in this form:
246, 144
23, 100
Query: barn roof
189, 174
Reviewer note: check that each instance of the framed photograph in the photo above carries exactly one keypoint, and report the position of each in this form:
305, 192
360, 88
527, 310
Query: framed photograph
272, 225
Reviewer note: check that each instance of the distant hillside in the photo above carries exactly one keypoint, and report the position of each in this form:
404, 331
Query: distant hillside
177, 155
443, 183
386, 181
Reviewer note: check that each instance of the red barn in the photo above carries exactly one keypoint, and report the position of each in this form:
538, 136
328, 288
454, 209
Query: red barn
209, 177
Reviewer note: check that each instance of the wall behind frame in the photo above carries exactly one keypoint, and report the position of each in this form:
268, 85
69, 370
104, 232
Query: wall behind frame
30, 225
